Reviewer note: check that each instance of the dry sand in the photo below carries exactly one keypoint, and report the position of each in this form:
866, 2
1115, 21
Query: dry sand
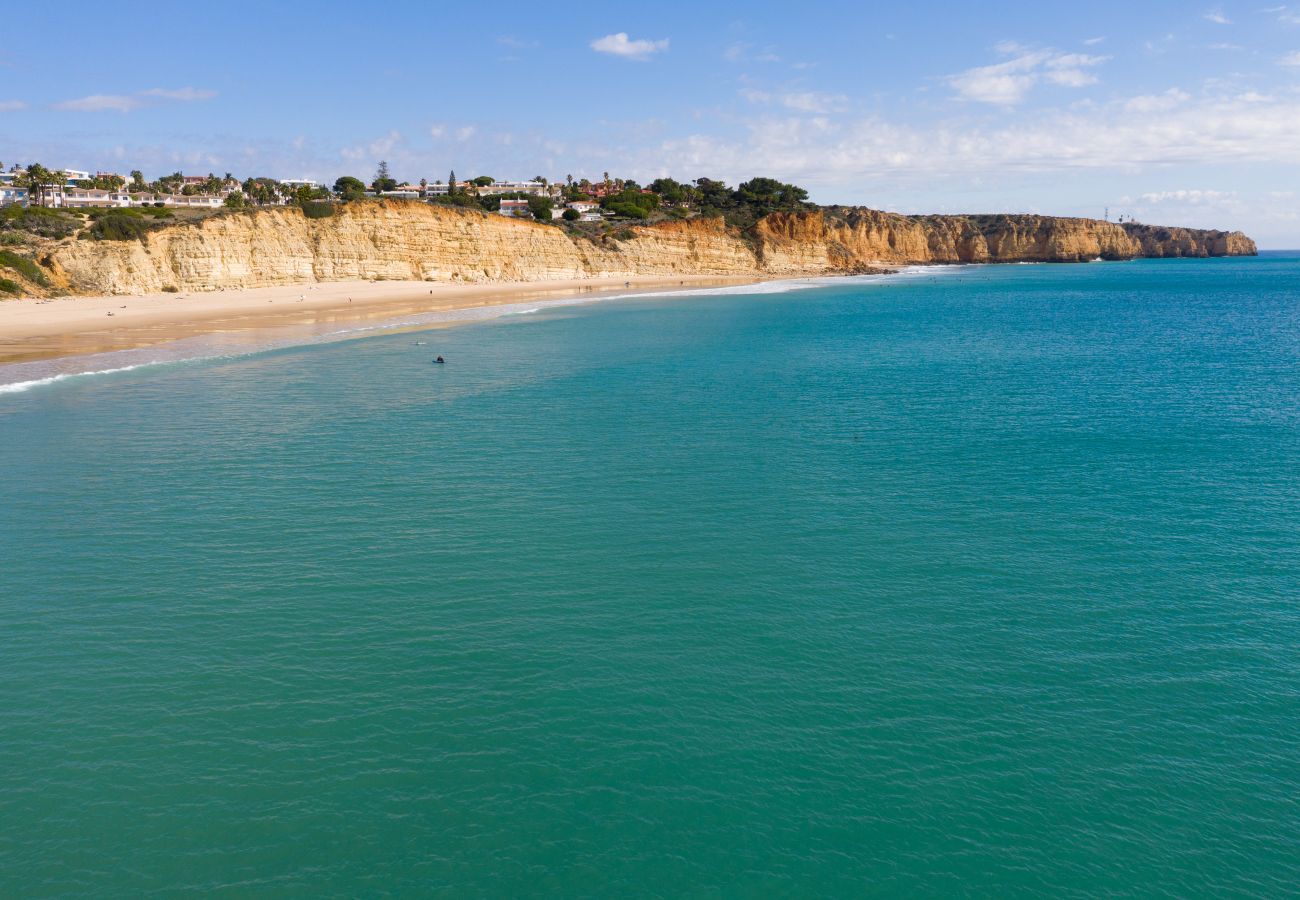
68, 326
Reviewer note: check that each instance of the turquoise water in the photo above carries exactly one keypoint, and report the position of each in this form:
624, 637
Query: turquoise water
980, 582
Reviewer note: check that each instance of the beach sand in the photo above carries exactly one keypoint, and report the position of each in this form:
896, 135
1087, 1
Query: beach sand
32, 330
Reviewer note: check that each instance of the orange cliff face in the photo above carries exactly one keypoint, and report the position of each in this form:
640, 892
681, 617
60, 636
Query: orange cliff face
416, 241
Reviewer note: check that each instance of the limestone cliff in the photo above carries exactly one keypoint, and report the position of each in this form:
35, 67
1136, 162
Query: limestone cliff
411, 240
1157, 240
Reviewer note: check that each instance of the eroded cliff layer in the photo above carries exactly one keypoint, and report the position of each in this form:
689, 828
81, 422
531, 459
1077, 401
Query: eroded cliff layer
411, 240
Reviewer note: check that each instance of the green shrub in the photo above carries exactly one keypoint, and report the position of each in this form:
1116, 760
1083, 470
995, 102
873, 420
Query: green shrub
8, 286
117, 211
118, 228
9, 239
318, 209
38, 220
21, 265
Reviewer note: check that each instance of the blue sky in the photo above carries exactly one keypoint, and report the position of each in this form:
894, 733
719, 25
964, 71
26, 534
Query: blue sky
1178, 113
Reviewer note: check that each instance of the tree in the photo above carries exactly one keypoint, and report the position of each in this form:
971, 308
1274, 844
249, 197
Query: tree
770, 194
235, 200
383, 180
424, 186
137, 182
571, 215
630, 202
541, 208
451, 184
349, 188
670, 191
38, 180
484, 181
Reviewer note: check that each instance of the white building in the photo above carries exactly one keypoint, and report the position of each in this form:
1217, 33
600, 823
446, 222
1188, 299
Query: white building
515, 209
181, 201
84, 198
296, 183
10, 195
532, 188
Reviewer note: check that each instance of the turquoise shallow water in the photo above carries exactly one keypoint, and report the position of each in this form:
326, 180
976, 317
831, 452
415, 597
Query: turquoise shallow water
983, 582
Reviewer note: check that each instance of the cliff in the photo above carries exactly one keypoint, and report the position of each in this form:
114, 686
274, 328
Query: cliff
412, 240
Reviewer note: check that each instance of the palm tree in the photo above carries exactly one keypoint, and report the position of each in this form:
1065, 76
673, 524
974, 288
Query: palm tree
39, 179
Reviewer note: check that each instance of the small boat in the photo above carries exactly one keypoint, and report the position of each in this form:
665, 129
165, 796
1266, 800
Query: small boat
440, 360
420, 343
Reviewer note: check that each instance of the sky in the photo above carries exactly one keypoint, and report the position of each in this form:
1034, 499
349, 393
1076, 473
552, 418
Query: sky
1173, 112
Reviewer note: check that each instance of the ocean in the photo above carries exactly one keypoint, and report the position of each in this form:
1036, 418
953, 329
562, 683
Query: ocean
978, 581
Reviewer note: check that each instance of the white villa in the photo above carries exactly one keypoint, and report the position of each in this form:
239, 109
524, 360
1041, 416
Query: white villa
515, 209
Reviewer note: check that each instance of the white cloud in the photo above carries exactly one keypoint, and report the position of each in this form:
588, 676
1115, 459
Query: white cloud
1217, 17
620, 45
185, 94
1008, 83
100, 103
1092, 42
1154, 102
741, 52
799, 101
1185, 197
128, 102
1291, 59
1124, 136
12, 105
437, 132
465, 133
509, 40
381, 146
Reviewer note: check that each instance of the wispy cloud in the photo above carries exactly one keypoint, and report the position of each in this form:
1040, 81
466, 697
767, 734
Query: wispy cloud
621, 45
12, 105
1185, 197
1145, 103
1124, 135
1217, 17
373, 150
799, 101
1284, 14
741, 52
127, 102
100, 103
183, 95
1291, 59
1008, 83
1092, 42
509, 40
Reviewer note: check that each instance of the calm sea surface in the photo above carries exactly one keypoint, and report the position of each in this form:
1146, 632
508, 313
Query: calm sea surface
979, 582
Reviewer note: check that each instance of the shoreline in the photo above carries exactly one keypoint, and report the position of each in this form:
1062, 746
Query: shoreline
40, 330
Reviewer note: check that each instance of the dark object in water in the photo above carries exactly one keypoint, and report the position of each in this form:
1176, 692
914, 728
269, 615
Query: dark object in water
440, 360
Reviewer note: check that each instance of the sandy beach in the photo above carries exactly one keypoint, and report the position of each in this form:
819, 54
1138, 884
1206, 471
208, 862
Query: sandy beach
32, 330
